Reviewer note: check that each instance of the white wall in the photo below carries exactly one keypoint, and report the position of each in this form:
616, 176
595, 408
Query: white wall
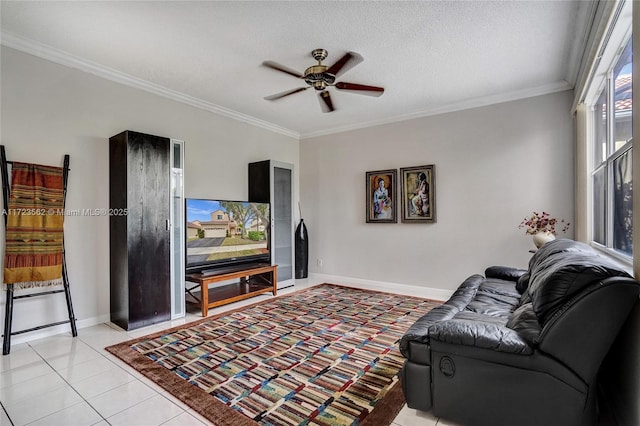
494, 165
49, 110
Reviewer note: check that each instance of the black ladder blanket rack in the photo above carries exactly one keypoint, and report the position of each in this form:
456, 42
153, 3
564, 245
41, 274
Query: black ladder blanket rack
8, 313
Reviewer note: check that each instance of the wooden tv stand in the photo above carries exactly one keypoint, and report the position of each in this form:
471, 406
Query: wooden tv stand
254, 280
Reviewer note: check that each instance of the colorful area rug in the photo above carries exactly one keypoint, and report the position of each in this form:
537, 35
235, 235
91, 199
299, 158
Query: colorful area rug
327, 355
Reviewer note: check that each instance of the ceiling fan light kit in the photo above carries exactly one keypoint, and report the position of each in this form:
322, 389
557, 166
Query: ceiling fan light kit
320, 77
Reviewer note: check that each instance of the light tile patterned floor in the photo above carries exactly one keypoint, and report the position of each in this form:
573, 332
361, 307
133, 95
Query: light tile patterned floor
64, 381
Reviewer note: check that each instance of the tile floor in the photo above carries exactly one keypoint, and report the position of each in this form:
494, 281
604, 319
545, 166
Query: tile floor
61, 380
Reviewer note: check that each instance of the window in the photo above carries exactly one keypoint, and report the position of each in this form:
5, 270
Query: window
611, 170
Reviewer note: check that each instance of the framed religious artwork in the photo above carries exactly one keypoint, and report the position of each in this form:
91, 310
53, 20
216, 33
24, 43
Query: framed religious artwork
418, 194
381, 196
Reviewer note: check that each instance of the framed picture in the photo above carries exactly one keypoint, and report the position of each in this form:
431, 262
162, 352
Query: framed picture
381, 196
418, 194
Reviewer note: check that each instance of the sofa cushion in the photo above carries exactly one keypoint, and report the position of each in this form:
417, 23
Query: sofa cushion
504, 273
477, 299
561, 245
480, 317
487, 306
563, 272
495, 297
553, 247
504, 291
480, 335
525, 322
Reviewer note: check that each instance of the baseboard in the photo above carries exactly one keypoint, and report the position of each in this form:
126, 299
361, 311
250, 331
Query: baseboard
409, 290
62, 328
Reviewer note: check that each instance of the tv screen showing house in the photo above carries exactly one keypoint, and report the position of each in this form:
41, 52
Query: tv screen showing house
223, 232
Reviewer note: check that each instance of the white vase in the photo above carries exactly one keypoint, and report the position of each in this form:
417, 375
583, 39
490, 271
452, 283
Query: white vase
540, 238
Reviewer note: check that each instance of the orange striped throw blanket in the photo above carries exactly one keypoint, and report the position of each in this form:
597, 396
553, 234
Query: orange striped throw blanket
33, 253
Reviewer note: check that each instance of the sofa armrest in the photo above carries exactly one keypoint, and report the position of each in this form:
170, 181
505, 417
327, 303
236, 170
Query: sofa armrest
504, 273
480, 335
419, 330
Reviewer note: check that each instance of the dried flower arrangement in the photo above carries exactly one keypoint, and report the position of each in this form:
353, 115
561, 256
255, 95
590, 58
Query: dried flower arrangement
542, 222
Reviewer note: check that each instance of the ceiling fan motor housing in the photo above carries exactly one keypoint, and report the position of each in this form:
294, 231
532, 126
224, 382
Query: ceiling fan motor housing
316, 77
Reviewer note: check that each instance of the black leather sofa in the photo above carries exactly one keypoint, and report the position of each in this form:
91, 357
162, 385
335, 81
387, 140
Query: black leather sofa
520, 347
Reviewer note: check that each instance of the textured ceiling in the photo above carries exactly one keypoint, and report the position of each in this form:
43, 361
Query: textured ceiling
429, 56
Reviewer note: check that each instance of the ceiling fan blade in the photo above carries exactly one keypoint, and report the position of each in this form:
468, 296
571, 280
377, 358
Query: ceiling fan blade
325, 101
344, 64
282, 68
361, 89
283, 94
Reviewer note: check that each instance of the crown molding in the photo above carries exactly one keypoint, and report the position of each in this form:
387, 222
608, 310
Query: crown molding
67, 59
64, 58
559, 86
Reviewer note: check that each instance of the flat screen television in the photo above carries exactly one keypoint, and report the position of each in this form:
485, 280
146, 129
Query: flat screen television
223, 234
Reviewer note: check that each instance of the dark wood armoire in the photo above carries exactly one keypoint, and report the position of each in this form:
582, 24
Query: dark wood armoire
139, 201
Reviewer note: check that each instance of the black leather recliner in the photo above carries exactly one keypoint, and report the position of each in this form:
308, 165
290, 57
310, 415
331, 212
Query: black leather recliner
520, 347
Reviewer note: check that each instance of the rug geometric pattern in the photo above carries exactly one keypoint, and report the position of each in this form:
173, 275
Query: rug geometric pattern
324, 356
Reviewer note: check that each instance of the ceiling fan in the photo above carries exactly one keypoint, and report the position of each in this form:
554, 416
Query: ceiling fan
320, 77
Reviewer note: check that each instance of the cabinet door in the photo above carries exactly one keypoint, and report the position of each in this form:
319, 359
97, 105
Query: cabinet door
283, 223
272, 182
177, 230
148, 233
